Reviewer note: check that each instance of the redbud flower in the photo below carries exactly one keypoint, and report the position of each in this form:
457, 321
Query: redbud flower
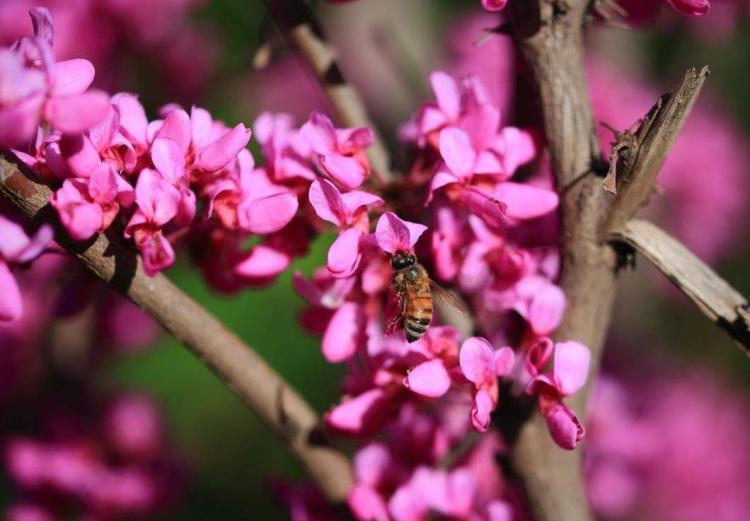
348, 211
340, 152
34, 88
482, 366
569, 372
158, 202
89, 206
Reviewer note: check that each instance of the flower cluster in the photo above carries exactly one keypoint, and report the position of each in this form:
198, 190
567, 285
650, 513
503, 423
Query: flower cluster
492, 238
116, 468
156, 181
650, 457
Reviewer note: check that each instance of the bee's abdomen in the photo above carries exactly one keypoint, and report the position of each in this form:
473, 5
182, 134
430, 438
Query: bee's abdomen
418, 316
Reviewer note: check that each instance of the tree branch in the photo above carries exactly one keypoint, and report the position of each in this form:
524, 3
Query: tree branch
647, 150
263, 390
719, 301
549, 34
304, 33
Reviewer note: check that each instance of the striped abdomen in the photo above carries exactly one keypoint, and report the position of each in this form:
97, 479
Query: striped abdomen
418, 312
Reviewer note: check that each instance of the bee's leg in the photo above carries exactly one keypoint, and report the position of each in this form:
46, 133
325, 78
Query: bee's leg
394, 322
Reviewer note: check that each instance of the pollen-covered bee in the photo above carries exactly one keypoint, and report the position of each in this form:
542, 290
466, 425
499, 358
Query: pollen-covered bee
415, 292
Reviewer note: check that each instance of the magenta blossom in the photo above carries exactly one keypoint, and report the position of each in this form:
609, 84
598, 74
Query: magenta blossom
348, 211
88, 206
339, 152
570, 368
482, 366
34, 89
158, 202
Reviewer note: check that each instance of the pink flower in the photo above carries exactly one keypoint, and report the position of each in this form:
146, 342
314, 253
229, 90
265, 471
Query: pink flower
462, 161
339, 152
186, 148
158, 202
245, 198
34, 88
569, 372
17, 248
348, 211
287, 155
482, 366
89, 206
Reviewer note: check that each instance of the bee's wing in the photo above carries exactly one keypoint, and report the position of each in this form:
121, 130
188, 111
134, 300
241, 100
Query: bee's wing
448, 296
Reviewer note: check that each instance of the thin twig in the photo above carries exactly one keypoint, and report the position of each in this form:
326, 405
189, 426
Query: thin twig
262, 389
304, 33
549, 34
649, 149
719, 301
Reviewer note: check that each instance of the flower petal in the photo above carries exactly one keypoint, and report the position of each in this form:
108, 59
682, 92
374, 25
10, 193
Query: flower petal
327, 202
263, 261
564, 427
219, 153
177, 127
571, 366
546, 309
72, 77
344, 254
393, 235
344, 333
78, 113
481, 411
360, 414
447, 93
504, 358
267, 214
523, 201
429, 379
456, 151
346, 171
477, 360
319, 133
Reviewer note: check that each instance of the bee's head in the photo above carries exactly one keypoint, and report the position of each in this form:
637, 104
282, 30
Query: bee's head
402, 260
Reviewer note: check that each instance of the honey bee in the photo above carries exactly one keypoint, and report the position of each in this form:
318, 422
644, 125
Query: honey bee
415, 292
